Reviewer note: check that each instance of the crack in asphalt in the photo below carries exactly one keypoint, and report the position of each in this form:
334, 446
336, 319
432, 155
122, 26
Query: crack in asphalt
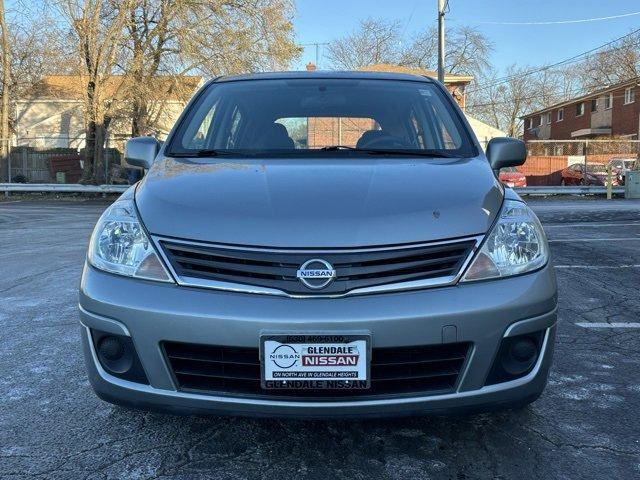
557, 444
27, 278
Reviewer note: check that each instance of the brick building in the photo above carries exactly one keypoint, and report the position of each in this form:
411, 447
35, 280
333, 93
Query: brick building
613, 111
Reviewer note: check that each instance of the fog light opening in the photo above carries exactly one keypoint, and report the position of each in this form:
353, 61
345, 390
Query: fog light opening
117, 355
114, 354
516, 357
111, 348
520, 356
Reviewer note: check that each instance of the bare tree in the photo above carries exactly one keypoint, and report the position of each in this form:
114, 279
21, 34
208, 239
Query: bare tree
616, 63
501, 102
147, 32
28, 50
5, 50
380, 41
553, 85
175, 38
97, 29
468, 51
35, 47
154, 44
374, 41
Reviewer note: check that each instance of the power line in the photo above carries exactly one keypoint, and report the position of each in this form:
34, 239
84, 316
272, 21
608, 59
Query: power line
317, 45
533, 97
566, 61
563, 22
406, 25
510, 101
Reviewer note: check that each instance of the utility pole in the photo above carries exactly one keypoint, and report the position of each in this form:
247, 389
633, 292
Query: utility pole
442, 5
317, 45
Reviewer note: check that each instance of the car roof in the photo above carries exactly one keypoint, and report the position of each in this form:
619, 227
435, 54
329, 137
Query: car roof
319, 74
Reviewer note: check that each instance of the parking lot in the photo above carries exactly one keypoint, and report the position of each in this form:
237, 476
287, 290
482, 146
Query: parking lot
585, 425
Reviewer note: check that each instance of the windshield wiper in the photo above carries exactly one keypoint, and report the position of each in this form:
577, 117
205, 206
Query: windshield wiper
332, 148
210, 152
385, 151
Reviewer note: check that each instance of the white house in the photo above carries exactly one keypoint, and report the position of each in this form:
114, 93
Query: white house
50, 115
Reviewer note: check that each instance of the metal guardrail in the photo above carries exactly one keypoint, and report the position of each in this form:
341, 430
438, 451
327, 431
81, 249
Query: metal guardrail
78, 188
61, 187
586, 190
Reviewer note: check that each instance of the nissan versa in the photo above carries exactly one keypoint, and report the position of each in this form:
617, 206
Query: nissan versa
298, 247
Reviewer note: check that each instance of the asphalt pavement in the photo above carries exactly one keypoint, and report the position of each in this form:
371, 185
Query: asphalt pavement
585, 425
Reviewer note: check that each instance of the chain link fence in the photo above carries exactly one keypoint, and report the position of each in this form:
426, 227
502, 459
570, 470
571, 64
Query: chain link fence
43, 160
577, 162
549, 162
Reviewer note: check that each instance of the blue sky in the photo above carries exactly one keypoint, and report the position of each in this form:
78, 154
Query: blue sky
324, 20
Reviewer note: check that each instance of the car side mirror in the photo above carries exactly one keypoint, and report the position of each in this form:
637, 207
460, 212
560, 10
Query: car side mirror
506, 152
141, 151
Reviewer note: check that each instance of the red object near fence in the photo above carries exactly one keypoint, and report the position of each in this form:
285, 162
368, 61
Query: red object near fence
69, 164
544, 170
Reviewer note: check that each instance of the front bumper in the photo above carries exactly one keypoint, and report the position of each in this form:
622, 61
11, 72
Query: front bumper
482, 313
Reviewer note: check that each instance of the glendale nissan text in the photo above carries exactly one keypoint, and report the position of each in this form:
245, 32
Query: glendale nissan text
297, 248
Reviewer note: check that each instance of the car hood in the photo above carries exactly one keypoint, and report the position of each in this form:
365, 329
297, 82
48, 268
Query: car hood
319, 202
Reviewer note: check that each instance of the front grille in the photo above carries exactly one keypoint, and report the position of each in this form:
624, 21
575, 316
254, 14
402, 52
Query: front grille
215, 370
355, 269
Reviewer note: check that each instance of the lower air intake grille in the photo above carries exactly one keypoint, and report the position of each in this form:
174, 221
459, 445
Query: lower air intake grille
214, 370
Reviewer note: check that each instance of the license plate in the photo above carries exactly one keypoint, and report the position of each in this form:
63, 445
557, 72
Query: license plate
315, 361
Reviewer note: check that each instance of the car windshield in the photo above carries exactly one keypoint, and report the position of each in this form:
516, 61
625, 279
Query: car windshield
306, 117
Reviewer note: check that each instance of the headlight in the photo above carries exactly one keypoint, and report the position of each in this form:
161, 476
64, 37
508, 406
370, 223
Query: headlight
120, 245
516, 244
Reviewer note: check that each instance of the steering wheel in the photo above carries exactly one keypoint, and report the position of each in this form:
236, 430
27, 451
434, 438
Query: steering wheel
386, 141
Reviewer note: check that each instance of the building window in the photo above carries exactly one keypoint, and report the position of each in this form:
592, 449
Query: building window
608, 101
560, 116
579, 109
629, 95
529, 123
542, 119
594, 105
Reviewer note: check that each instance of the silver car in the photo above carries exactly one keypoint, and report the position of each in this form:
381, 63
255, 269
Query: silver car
319, 244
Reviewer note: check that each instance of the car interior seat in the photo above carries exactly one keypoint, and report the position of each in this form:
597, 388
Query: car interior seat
370, 136
276, 137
